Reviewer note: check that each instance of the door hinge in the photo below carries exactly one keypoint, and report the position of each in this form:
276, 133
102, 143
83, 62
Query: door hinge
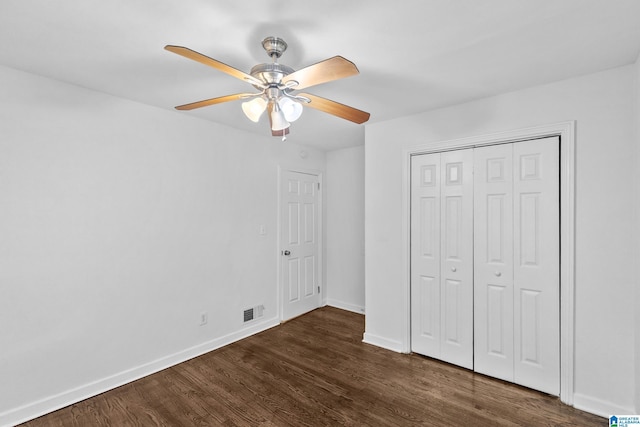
318, 289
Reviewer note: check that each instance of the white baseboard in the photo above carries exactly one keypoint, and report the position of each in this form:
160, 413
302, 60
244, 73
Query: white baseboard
52, 403
345, 306
379, 341
599, 406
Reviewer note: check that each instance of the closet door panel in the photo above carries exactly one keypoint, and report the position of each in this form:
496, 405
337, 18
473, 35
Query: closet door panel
425, 255
493, 261
457, 257
537, 264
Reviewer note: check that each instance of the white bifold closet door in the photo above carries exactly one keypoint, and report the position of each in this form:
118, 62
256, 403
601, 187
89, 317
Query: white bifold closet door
442, 256
517, 263
485, 260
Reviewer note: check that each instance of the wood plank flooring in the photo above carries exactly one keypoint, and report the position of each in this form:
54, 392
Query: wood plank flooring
315, 371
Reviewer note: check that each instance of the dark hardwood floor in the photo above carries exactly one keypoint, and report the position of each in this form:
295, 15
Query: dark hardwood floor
315, 371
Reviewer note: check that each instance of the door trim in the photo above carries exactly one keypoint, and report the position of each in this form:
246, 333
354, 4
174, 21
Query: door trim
321, 267
566, 132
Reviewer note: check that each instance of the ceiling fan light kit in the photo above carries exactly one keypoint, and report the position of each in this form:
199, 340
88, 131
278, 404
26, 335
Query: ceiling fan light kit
291, 109
253, 109
278, 120
277, 84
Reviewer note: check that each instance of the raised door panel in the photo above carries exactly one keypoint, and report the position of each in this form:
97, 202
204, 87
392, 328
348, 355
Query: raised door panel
293, 283
493, 266
537, 264
292, 270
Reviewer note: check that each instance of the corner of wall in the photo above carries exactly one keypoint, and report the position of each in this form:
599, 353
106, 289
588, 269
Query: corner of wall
636, 225
345, 229
586, 99
108, 274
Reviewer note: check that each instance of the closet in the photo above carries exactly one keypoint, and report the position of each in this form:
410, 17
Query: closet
485, 260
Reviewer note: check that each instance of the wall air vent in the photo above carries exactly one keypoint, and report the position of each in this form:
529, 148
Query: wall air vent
253, 313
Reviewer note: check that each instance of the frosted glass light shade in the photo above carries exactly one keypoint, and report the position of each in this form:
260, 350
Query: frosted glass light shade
253, 109
278, 121
291, 109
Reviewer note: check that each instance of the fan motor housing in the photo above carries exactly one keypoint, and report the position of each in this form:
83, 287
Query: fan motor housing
271, 73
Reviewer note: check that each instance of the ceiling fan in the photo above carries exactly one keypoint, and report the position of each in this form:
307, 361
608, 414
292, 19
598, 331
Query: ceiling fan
277, 84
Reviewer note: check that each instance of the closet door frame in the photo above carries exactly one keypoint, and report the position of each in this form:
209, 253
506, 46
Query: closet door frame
566, 132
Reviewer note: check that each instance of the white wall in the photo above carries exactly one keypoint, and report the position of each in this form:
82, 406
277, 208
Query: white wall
602, 105
636, 234
345, 228
119, 224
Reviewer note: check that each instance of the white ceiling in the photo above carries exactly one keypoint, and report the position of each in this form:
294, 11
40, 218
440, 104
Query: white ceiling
413, 55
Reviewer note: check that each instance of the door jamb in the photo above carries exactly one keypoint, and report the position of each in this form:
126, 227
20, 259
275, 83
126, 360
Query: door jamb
566, 132
322, 295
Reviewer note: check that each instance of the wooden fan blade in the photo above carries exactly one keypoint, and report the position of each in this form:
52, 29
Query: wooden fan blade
214, 101
337, 109
325, 71
203, 59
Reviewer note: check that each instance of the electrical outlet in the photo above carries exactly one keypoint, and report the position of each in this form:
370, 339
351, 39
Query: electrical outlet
204, 317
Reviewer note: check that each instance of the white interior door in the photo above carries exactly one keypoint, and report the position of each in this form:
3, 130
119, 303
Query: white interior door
517, 263
299, 242
442, 256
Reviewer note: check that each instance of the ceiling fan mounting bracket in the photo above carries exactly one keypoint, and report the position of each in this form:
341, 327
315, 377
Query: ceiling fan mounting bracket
274, 46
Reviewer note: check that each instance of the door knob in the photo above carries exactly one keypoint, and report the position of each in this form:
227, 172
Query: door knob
498, 274
286, 253
454, 269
